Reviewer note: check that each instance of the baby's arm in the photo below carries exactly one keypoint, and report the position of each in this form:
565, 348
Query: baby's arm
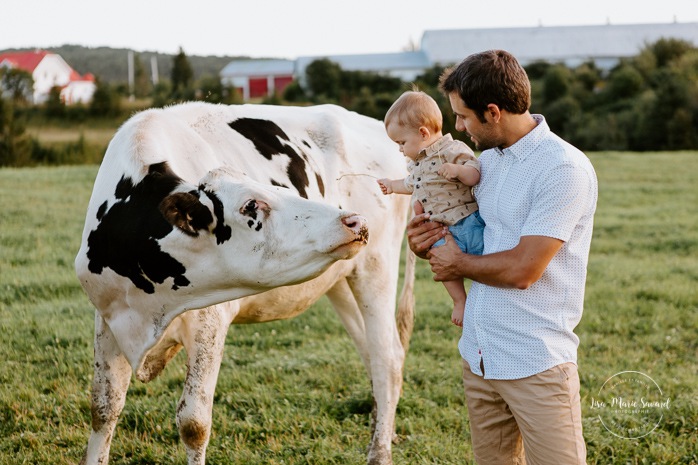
393, 186
468, 175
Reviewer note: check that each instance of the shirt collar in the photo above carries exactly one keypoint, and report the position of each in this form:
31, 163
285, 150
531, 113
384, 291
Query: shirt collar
528, 143
436, 147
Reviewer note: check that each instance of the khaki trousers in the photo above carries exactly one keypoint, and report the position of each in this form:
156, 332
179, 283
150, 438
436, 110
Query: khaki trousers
540, 415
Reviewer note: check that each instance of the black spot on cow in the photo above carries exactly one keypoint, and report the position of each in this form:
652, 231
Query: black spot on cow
222, 231
320, 184
102, 210
126, 238
278, 184
269, 140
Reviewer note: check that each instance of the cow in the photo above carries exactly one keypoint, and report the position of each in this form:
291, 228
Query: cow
205, 215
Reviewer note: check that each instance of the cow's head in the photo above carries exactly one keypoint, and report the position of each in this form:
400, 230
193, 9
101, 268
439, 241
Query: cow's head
257, 236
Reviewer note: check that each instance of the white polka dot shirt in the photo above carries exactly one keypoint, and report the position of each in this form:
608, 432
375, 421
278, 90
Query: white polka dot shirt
540, 186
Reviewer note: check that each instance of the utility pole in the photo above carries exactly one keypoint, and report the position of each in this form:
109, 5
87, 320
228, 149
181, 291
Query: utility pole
154, 69
131, 76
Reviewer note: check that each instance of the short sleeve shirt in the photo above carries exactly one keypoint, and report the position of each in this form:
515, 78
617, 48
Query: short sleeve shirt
540, 186
447, 201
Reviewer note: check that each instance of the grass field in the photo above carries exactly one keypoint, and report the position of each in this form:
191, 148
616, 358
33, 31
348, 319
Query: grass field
295, 392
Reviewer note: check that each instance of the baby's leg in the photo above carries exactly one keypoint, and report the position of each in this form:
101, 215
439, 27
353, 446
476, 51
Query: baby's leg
456, 290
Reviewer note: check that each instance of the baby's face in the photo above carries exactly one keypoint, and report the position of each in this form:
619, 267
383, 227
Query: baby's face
410, 140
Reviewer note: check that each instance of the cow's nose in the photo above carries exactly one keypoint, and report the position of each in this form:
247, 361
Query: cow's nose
357, 224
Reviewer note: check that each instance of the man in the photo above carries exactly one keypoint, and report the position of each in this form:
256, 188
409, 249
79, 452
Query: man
537, 196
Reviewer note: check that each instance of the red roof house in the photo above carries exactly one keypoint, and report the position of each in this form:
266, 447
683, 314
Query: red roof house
50, 70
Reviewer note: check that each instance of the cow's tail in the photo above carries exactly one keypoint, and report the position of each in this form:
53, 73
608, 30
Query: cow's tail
405, 306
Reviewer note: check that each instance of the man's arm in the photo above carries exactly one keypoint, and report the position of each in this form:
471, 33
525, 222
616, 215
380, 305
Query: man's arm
517, 268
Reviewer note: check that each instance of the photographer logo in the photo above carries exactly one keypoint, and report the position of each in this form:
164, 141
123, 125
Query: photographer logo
630, 405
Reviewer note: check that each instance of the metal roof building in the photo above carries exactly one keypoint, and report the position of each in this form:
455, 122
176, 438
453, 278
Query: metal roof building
572, 45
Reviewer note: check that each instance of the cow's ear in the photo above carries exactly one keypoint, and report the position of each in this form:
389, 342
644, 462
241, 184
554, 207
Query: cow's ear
184, 211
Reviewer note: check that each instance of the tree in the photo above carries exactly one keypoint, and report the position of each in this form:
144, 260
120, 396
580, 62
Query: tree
210, 89
105, 101
142, 85
587, 78
323, 79
162, 91
55, 106
182, 76
17, 84
294, 93
15, 143
624, 82
668, 50
557, 81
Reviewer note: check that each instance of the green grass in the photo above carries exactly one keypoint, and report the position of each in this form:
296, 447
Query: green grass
295, 392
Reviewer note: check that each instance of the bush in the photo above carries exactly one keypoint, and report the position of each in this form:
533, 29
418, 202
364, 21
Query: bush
15, 144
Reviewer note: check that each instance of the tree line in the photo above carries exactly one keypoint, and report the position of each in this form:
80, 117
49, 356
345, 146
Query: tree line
645, 103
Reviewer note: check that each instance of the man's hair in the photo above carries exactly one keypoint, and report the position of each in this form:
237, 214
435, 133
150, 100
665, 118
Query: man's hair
493, 76
415, 108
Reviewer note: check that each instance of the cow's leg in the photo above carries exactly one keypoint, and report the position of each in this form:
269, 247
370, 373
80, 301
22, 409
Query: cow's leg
344, 303
204, 341
374, 288
112, 375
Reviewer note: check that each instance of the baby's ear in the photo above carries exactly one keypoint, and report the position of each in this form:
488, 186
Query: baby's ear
424, 132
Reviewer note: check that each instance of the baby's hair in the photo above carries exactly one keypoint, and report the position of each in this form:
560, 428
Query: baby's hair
415, 108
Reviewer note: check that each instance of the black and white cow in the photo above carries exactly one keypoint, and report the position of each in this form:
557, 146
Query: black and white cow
206, 215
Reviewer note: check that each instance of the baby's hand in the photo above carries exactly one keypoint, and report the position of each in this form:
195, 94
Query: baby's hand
385, 186
449, 171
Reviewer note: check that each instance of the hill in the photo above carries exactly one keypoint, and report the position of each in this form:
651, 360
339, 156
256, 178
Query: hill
111, 64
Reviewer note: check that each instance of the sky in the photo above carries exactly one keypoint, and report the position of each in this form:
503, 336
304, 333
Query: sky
293, 28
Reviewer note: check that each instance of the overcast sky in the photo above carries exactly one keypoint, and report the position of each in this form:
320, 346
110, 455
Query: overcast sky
292, 28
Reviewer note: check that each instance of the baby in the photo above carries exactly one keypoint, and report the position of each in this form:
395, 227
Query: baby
442, 172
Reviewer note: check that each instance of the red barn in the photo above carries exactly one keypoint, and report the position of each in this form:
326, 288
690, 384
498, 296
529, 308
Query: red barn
258, 78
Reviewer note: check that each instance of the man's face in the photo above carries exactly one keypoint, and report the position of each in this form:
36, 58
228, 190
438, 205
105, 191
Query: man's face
483, 135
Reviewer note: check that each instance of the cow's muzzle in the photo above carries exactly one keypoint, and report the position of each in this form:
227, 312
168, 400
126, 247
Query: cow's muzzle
357, 225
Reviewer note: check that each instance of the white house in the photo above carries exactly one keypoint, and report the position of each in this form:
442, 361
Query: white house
50, 70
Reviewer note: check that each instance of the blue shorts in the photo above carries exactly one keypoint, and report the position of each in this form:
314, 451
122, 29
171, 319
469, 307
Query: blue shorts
468, 234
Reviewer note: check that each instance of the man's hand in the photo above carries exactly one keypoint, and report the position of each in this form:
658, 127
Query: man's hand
386, 188
422, 233
442, 260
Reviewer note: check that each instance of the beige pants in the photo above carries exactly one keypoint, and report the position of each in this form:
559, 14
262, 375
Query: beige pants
540, 414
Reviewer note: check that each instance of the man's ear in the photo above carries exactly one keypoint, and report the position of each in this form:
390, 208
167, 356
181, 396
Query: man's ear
494, 112
185, 211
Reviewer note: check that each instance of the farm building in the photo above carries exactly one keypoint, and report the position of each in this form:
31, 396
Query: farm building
50, 70
572, 45
258, 78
